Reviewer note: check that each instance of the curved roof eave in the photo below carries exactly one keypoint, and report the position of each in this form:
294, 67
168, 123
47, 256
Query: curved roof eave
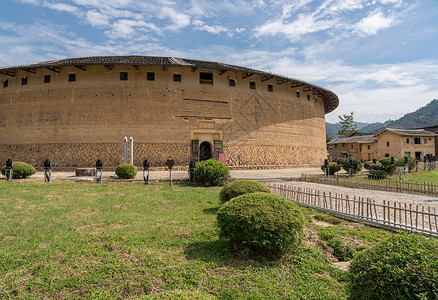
331, 101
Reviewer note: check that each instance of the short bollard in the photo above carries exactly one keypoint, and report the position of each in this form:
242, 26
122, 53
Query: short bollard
192, 172
99, 166
145, 168
170, 163
47, 171
9, 171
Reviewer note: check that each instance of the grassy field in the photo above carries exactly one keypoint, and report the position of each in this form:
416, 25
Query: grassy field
127, 240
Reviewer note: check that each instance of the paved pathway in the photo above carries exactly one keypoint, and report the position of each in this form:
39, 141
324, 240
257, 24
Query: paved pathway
266, 175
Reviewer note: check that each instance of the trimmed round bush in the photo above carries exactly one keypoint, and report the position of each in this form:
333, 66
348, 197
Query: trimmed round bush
345, 163
333, 168
405, 266
241, 187
126, 171
211, 172
386, 161
368, 165
264, 224
20, 170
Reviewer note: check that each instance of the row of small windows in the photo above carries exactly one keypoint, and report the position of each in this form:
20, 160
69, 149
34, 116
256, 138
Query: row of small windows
204, 78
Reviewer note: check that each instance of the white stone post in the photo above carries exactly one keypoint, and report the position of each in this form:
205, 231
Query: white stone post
131, 149
125, 155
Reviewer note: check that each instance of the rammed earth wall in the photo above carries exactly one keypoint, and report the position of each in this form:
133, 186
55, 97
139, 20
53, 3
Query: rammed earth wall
74, 123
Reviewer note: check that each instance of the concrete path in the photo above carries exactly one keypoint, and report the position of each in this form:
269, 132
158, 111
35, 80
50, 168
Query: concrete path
265, 175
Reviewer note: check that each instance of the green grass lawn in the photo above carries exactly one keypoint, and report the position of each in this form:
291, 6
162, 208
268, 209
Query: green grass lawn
127, 240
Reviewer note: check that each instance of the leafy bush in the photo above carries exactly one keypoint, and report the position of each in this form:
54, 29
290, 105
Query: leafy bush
241, 187
262, 223
20, 170
412, 162
378, 173
126, 171
211, 172
367, 165
333, 168
401, 267
386, 161
345, 163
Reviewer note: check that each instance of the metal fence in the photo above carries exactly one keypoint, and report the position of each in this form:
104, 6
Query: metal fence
392, 185
391, 214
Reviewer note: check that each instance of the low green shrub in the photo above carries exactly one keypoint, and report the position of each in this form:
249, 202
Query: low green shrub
412, 162
211, 172
405, 266
345, 163
333, 168
378, 173
241, 187
126, 171
367, 165
386, 161
261, 223
342, 250
20, 170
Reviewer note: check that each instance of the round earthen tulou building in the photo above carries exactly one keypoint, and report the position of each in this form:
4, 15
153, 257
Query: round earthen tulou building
74, 111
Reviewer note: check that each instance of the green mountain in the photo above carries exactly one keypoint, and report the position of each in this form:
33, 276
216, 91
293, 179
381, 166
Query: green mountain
332, 129
425, 116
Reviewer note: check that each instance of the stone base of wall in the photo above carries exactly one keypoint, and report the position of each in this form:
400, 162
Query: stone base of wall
71, 156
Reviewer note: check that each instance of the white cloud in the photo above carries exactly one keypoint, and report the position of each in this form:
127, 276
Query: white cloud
215, 29
125, 29
61, 7
96, 18
294, 30
373, 23
179, 20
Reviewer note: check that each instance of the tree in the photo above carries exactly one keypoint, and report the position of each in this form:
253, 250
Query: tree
348, 126
328, 137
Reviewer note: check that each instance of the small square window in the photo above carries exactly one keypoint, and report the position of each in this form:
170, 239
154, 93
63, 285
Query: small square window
205, 78
150, 76
417, 141
407, 141
5, 83
387, 144
123, 75
316, 100
23, 80
177, 77
46, 78
252, 85
71, 77
425, 141
298, 94
270, 88
308, 97
232, 82
369, 147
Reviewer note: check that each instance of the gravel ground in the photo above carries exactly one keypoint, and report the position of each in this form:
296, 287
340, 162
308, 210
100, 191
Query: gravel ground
378, 196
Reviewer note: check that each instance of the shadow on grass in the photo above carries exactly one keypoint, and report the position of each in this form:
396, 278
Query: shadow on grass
209, 251
211, 210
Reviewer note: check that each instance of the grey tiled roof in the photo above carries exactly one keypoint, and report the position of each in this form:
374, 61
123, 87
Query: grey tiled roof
410, 132
331, 101
360, 139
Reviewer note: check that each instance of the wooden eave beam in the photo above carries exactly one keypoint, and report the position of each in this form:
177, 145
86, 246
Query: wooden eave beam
30, 70
135, 67
265, 78
80, 67
164, 67
194, 69
222, 72
307, 89
246, 75
54, 69
294, 85
109, 67
281, 81
9, 73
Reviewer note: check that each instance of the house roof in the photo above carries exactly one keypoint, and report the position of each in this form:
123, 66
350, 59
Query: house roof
408, 132
360, 139
331, 101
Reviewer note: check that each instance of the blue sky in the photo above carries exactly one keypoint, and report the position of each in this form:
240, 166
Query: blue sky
379, 56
